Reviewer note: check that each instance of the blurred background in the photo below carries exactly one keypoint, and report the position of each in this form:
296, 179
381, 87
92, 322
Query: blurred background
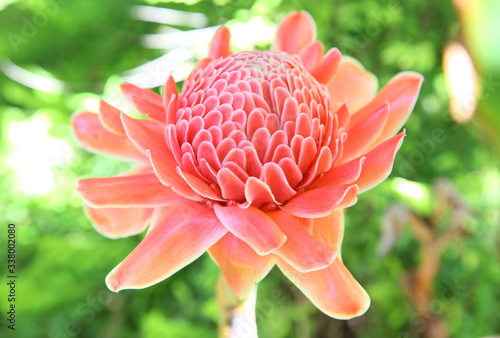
425, 243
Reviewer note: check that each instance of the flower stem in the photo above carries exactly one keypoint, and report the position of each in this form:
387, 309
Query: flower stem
237, 317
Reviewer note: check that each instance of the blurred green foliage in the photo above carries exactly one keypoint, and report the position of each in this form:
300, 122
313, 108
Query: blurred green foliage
62, 262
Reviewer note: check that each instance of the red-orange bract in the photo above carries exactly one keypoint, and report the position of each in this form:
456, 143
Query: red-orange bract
255, 161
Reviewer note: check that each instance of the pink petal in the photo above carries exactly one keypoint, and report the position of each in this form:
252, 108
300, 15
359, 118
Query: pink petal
148, 108
126, 191
119, 222
318, 202
337, 147
311, 54
199, 186
333, 290
322, 164
219, 47
260, 140
202, 63
238, 171
295, 31
278, 138
165, 170
90, 133
240, 265
207, 152
172, 140
379, 162
254, 166
252, 226
401, 94
325, 70
352, 83
231, 186
343, 115
301, 250
236, 156
349, 199
130, 90
330, 229
179, 235
343, 174
291, 170
145, 135
169, 89
258, 193
307, 154
110, 118
275, 178
362, 135
170, 95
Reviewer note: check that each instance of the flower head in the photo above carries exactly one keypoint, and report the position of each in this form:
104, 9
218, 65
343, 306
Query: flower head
255, 161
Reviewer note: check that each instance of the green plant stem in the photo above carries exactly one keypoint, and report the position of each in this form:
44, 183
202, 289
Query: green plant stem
237, 317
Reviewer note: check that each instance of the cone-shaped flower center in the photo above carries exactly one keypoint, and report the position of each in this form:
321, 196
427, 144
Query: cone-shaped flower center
254, 114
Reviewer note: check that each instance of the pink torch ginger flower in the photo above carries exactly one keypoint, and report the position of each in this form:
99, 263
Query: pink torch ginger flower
255, 161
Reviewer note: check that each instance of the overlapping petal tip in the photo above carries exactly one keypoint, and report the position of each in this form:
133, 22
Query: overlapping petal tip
333, 290
178, 236
311, 54
379, 162
110, 118
258, 194
92, 135
320, 202
145, 135
130, 90
327, 67
145, 101
199, 186
253, 226
301, 250
410, 84
346, 173
240, 265
119, 222
170, 96
363, 134
400, 94
165, 169
294, 32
